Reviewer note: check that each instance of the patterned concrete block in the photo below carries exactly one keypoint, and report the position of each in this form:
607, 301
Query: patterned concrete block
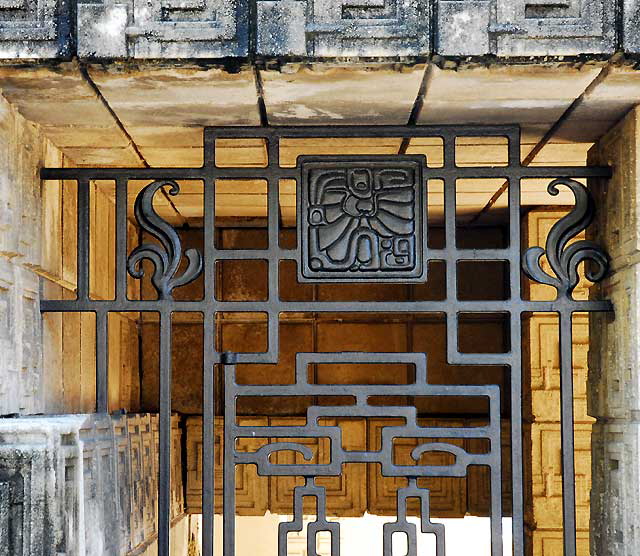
35, 28
337, 28
547, 474
615, 356
252, 491
525, 27
550, 543
165, 29
463, 28
631, 26
616, 484
21, 377
162, 28
73, 484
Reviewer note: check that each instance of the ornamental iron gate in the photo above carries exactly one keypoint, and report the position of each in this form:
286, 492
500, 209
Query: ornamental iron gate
359, 219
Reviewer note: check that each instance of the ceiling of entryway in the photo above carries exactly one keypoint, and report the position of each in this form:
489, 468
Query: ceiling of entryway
137, 115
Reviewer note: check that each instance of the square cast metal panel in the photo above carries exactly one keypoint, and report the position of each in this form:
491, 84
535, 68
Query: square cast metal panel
362, 219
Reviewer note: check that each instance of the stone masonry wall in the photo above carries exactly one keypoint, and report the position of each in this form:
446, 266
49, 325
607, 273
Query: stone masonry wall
614, 360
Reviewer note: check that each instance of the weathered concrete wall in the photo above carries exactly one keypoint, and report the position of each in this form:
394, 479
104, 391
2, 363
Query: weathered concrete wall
22, 150
322, 28
84, 485
47, 365
614, 365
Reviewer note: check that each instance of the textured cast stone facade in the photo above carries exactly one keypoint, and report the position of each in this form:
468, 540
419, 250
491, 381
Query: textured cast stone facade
330, 28
312, 28
614, 367
33, 378
525, 27
162, 28
35, 28
22, 150
83, 485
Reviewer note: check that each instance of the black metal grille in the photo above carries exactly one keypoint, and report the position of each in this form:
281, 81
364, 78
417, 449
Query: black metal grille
359, 219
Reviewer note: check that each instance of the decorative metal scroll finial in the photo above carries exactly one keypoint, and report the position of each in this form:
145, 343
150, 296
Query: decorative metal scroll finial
166, 257
564, 259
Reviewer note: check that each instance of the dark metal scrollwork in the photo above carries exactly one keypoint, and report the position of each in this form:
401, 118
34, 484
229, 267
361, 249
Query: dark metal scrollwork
167, 256
564, 259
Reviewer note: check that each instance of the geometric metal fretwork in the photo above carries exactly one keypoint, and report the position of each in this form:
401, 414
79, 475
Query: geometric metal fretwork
359, 219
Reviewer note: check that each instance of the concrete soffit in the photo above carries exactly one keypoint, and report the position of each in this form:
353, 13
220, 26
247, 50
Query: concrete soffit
132, 83
151, 113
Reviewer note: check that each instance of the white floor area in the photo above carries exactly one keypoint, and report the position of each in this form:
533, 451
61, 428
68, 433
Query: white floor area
258, 536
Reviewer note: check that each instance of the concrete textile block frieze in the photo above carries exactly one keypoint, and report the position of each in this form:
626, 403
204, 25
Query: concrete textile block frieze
217, 29
82, 485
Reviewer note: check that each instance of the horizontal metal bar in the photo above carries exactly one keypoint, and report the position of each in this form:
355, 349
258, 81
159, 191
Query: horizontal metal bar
565, 171
412, 389
453, 172
386, 131
462, 255
513, 306
167, 173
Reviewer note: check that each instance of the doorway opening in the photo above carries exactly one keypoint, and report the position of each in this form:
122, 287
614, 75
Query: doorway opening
340, 321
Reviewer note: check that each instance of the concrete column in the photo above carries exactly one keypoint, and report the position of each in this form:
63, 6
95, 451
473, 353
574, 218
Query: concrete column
22, 149
614, 359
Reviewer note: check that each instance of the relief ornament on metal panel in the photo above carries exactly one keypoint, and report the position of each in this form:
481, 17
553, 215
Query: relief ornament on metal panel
362, 219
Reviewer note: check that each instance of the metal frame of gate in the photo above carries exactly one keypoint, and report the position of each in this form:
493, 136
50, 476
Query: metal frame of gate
361, 188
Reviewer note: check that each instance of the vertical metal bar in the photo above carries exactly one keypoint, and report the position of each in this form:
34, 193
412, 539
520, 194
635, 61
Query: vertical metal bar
209, 143
449, 188
208, 435
121, 239
517, 458
450, 248
208, 382
515, 329
164, 473
229, 469
102, 362
83, 240
496, 482
566, 431
273, 223
496, 509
